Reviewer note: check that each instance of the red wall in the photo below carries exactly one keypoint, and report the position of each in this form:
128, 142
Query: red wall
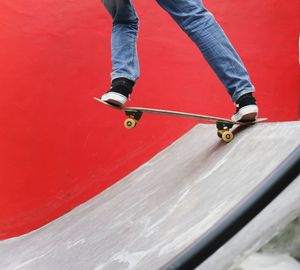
59, 147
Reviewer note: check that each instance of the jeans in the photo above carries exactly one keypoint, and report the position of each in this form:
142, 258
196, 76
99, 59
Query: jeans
197, 22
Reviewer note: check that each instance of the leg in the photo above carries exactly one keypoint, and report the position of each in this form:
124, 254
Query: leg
124, 36
199, 24
125, 64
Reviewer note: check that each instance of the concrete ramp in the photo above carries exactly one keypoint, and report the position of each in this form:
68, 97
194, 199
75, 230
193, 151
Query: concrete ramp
154, 213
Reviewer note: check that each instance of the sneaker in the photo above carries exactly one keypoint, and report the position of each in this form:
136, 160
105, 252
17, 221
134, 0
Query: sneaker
119, 93
246, 109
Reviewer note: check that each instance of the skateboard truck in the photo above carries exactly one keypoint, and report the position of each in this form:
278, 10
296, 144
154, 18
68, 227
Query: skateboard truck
132, 118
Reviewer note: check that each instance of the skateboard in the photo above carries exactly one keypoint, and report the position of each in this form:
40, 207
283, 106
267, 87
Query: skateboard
224, 125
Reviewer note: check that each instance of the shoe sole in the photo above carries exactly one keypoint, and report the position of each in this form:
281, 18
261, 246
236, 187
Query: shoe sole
246, 114
114, 98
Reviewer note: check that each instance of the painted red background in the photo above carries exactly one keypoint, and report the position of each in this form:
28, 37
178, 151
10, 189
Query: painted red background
59, 147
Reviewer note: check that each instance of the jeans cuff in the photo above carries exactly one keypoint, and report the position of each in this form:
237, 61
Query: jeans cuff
126, 76
240, 93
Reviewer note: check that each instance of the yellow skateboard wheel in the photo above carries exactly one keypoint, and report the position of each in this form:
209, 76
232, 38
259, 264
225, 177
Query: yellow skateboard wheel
130, 123
227, 136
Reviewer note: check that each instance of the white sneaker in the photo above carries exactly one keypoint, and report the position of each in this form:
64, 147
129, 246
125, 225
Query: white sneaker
246, 114
119, 92
114, 98
247, 109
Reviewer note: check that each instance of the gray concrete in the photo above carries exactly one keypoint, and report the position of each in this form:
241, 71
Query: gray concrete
264, 261
155, 212
271, 221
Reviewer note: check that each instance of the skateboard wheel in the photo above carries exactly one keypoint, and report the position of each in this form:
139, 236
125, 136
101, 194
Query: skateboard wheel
227, 136
130, 123
220, 132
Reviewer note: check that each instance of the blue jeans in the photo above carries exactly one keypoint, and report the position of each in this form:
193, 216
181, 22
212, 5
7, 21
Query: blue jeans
197, 22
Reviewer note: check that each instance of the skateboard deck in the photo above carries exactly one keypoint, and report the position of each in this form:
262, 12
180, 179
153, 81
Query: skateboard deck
224, 125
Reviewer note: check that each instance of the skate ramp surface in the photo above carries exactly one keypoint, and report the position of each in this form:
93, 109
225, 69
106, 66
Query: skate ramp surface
150, 216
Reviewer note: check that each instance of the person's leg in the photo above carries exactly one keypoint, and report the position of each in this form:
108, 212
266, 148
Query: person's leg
125, 64
200, 25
